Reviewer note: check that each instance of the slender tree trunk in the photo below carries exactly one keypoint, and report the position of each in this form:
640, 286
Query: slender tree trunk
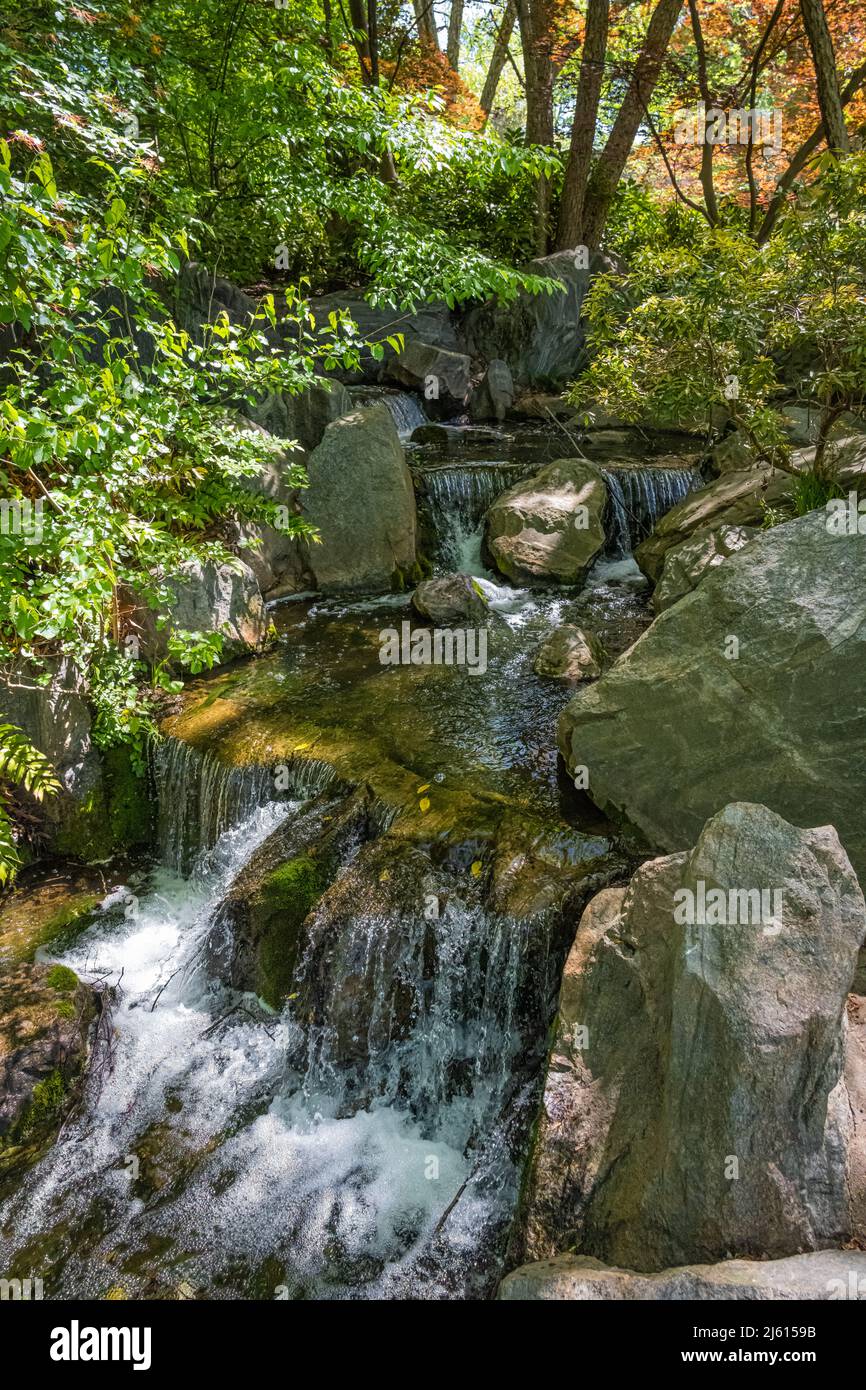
498, 58
426, 21
535, 19
455, 20
829, 100
707, 150
612, 161
583, 130
801, 158
360, 23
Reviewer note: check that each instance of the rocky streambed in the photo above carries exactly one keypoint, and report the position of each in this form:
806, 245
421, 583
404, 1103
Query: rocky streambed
377, 895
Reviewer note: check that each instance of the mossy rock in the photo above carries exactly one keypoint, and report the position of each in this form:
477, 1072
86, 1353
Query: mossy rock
45, 1018
116, 816
277, 912
47, 911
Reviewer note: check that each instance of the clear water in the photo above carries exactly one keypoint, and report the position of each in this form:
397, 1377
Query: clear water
222, 1150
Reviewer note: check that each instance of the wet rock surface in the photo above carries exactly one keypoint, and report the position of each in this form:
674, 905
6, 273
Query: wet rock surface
570, 653
826, 1274
695, 1104
46, 1015
549, 527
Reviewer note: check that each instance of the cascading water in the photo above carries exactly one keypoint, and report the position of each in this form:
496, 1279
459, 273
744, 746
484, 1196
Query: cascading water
456, 500
232, 1152
199, 797
403, 405
637, 498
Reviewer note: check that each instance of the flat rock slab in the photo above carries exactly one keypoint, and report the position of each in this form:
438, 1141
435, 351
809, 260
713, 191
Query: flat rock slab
824, 1274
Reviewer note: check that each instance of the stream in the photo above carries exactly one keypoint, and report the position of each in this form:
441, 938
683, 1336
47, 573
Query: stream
225, 1150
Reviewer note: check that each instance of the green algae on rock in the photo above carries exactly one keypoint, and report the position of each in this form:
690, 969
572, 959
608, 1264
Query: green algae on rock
46, 1015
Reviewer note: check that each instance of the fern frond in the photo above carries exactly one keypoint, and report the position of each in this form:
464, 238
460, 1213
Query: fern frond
23, 764
9, 858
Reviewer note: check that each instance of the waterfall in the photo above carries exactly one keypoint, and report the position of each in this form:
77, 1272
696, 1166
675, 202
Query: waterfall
199, 797
456, 501
637, 498
404, 406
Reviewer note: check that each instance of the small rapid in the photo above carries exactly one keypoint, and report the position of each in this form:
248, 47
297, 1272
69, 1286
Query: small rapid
638, 498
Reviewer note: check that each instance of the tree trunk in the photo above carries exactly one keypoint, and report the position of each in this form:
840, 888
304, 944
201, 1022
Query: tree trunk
612, 161
455, 20
426, 21
536, 37
708, 150
497, 58
583, 130
824, 60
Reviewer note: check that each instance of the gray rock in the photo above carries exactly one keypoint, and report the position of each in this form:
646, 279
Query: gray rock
678, 727
433, 323
208, 597
441, 377
549, 527
45, 1025
825, 1274
695, 1105
855, 1084
739, 498
55, 716
493, 397
733, 454
572, 653
303, 417
275, 558
540, 336
362, 502
686, 563
450, 600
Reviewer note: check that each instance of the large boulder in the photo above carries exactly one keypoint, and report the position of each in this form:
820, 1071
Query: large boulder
450, 600
686, 563
275, 557
570, 653
207, 597
749, 688
103, 805
361, 501
46, 1015
441, 377
549, 527
695, 1105
432, 323
540, 336
826, 1274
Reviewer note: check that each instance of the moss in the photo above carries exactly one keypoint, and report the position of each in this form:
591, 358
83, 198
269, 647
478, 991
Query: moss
116, 816
46, 1104
398, 580
129, 808
62, 979
282, 902
45, 914
66, 1009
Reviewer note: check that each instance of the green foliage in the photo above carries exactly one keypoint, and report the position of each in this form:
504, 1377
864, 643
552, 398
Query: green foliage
22, 765
709, 323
